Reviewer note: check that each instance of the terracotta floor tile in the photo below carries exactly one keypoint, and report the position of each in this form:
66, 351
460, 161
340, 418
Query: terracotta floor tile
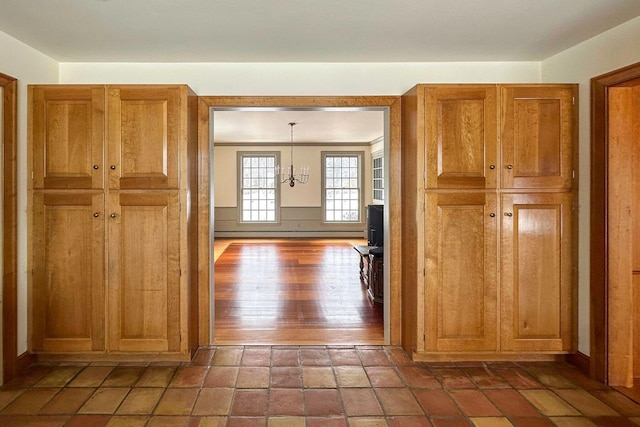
474, 403
352, 376
436, 402
345, 357
452, 378
203, 356
128, 421
210, 422
168, 421
222, 376
491, 422
315, 357
399, 357
286, 422
374, 358
35, 374
511, 403
104, 401
156, 376
384, 376
286, 377
253, 377
213, 401
189, 376
326, 422
580, 379
227, 356
68, 401
30, 402
586, 403
518, 378
531, 422
409, 422
318, 377
58, 376
140, 401
549, 403
177, 401
123, 376
360, 402
398, 401
551, 377
285, 401
572, 422
419, 377
7, 396
322, 402
250, 403
485, 379
367, 422
247, 422
618, 401
91, 376
256, 356
88, 421
285, 357
612, 422
451, 422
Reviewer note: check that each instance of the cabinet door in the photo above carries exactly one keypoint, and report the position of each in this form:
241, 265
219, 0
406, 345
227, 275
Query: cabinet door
144, 272
461, 136
537, 136
67, 130
144, 130
461, 271
536, 296
68, 272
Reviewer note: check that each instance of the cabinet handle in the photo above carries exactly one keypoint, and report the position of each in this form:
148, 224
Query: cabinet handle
96, 214
492, 215
96, 167
509, 166
112, 167
112, 215
492, 167
508, 214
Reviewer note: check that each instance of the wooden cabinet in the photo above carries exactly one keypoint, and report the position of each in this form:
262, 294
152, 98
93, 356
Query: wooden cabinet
488, 187
113, 167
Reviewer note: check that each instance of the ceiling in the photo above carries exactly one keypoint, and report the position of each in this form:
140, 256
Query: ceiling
308, 30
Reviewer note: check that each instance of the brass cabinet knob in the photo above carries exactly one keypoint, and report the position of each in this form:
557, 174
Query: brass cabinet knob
112, 215
492, 167
96, 167
508, 214
96, 214
112, 167
492, 215
509, 166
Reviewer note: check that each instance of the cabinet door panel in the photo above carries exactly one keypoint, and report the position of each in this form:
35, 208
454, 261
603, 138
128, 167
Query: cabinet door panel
68, 135
144, 134
536, 272
461, 136
537, 125
68, 272
461, 256
144, 272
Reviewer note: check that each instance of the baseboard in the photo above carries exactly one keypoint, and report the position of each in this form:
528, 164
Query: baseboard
580, 361
25, 361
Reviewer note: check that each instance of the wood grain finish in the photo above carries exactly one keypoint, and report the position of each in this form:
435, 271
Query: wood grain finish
68, 275
536, 291
295, 291
461, 263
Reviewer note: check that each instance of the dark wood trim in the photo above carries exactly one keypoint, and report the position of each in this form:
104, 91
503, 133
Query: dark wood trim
598, 225
9, 229
580, 361
25, 361
205, 253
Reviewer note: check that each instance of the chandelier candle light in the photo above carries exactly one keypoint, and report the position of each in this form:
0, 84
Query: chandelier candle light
302, 178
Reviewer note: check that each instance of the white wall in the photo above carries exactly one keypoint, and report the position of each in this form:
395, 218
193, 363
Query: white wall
28, 66
606, 52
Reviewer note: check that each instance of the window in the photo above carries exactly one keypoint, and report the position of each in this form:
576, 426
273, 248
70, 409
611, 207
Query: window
377, 173
341, 187
258, 189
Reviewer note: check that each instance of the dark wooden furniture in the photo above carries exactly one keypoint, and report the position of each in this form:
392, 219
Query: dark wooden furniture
371, 271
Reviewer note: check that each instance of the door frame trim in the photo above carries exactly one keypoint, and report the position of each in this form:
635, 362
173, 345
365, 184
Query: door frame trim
599, 218
205, 249
9, 230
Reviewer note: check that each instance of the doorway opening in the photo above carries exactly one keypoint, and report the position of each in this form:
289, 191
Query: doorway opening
615, 229
389, 106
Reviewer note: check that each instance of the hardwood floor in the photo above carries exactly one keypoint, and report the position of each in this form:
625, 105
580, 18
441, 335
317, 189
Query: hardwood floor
293, 292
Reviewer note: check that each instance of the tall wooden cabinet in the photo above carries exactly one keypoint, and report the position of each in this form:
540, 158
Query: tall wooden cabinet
488, 207
113, 190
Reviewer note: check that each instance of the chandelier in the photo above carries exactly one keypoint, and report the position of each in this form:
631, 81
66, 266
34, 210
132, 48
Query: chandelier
289, 174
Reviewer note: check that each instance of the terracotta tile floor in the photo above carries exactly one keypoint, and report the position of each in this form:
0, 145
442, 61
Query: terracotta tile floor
312, 386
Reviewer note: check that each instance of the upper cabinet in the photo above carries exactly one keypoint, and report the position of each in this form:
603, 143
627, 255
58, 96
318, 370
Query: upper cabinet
536, 136
68, 135
461, 131
137, 128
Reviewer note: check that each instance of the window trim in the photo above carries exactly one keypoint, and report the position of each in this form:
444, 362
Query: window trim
240, 155
360, 156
